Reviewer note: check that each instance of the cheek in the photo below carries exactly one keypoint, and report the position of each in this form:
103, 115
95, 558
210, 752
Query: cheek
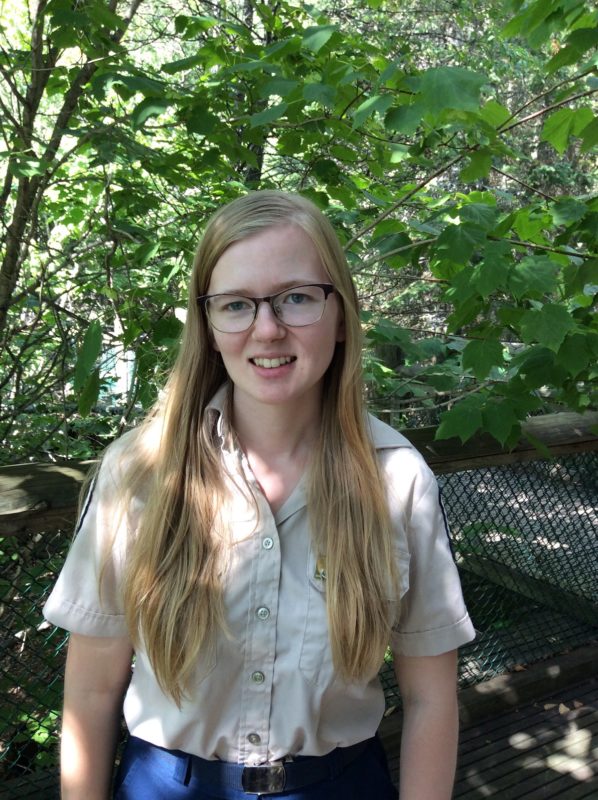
213, 338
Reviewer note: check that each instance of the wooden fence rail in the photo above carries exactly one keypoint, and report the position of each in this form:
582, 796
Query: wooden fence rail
43, 497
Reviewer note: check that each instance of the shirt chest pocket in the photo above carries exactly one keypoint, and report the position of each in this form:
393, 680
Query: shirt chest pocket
315, 660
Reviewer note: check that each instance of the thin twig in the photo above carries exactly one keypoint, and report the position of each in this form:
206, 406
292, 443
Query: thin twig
522, 183
404, 199
545, 110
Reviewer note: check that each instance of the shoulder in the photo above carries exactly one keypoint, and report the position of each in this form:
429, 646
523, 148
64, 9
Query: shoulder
404, 469
127, 459
395, 451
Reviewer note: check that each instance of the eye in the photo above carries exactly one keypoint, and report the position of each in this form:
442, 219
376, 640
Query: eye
236, 305
231, 304
294, 298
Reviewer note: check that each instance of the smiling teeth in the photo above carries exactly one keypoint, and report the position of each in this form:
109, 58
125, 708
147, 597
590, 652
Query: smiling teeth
270, 363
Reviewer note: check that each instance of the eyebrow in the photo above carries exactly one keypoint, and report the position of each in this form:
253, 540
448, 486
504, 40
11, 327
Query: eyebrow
280, 288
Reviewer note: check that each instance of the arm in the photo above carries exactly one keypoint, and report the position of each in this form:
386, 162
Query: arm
428, 686
97, 673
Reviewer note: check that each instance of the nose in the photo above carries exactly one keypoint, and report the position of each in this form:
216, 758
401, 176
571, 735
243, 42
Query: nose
267, 326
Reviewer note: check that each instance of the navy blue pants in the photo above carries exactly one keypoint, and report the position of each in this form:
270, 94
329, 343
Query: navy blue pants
148, 772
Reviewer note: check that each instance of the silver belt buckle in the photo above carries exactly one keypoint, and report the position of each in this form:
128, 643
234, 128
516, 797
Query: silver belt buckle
263, 779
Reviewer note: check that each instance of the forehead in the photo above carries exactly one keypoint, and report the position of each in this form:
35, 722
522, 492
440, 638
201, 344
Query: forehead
275, 257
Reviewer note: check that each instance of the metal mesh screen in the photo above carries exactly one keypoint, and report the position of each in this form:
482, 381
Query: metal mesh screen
524, 537
31, 666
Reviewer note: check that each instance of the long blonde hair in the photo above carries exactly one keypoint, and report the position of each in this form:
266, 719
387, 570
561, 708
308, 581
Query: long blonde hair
172, 588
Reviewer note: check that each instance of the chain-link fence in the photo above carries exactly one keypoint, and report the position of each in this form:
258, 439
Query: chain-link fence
524, 537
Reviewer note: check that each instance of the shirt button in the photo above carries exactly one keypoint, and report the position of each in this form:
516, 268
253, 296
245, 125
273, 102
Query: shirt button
258, 677
254, 738
268, 543
263, 612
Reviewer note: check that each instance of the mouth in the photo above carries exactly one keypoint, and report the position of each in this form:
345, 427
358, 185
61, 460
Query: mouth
272, 363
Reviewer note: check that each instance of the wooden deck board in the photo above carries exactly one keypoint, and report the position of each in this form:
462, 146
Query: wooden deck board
543, 750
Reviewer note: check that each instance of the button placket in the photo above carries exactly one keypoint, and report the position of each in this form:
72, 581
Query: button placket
261, 643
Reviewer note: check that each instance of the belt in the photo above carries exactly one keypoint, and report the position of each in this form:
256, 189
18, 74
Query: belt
279, 776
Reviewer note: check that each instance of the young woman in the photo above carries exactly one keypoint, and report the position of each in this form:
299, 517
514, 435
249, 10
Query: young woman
256, 544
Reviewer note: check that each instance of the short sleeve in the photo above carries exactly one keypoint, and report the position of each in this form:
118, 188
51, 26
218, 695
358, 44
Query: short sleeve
432, 617
75, 602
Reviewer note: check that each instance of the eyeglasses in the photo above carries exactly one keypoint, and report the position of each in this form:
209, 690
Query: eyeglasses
297, 307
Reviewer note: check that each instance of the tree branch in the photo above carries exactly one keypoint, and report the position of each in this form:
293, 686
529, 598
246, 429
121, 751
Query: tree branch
522, 183
403, 200
545, 110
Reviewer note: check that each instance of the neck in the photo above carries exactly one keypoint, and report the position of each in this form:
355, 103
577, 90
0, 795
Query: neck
276, 432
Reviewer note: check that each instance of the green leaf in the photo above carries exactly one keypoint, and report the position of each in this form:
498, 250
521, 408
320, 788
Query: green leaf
494, 114
320, 93
134, 83
24, 167
574, 354
315, 37
398, 153
182, 64
459, 241
378, 103
557, 129
589, 135
404, 119
201, 121
281, 87
88, 354
547, 326
103, 16
150, 107
530, 225
146, 252
538, 368
578, 276
533, 276
89, 394
481, 355
480, 214
567, 210
268, 115
480, 164
462, 421
501, 421
451, 87
493, 271
578, 42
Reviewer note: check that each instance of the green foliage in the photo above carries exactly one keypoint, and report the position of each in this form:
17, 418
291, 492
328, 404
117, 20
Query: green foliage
459, 178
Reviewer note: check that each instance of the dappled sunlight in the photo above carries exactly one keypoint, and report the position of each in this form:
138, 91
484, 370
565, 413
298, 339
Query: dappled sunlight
545, 749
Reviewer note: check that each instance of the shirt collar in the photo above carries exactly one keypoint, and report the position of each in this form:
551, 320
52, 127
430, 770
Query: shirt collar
383, 436
218, 408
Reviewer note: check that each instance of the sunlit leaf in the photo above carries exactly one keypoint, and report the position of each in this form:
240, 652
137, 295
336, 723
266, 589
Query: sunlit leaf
88, 353
451, 87
150, 107
269, 115
89, 393
315, 38
379, 103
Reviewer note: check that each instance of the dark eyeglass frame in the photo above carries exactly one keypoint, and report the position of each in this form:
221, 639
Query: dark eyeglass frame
327, 288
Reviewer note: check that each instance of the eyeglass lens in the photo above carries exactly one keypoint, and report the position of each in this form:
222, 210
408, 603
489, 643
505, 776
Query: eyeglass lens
298, 306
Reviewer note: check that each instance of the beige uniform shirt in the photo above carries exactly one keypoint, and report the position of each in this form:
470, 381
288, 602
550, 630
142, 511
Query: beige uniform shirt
270, 690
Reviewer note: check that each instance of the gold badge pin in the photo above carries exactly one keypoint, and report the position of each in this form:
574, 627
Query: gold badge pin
320, 573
